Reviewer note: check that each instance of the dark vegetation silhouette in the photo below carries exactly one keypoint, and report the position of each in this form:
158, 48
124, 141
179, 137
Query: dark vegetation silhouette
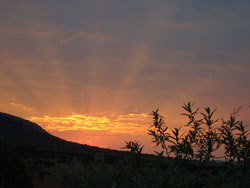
14, 173
185, 158
28, 153
133, 146
203, 138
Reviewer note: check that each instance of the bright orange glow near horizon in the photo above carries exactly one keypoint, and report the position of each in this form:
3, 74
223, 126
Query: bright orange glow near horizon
109, 131
130, 126
131, 123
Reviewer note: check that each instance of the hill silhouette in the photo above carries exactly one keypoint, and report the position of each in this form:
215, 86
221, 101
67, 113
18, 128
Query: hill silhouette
17, 131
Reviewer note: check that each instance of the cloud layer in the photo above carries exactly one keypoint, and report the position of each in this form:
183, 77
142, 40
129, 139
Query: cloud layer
122, 57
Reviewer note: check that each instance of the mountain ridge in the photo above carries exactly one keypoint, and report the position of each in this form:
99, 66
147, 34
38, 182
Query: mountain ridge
21, 132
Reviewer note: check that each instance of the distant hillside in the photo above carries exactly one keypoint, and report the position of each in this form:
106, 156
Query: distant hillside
21, 132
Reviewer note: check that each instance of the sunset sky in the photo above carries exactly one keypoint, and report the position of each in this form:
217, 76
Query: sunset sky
92, 71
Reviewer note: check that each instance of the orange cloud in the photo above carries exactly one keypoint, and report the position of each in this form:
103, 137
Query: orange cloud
129, 123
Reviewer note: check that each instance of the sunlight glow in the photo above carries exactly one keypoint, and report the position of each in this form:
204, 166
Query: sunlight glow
130, 123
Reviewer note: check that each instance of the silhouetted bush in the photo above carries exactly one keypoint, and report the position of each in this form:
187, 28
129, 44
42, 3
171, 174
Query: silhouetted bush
186, 158
203, 138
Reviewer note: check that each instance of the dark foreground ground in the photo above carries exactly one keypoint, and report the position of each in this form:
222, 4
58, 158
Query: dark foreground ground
29, 167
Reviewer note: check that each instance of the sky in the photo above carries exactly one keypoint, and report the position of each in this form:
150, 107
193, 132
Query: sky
92, 71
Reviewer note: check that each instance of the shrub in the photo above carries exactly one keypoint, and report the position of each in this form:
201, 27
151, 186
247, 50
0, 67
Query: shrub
203, 139
133, 146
